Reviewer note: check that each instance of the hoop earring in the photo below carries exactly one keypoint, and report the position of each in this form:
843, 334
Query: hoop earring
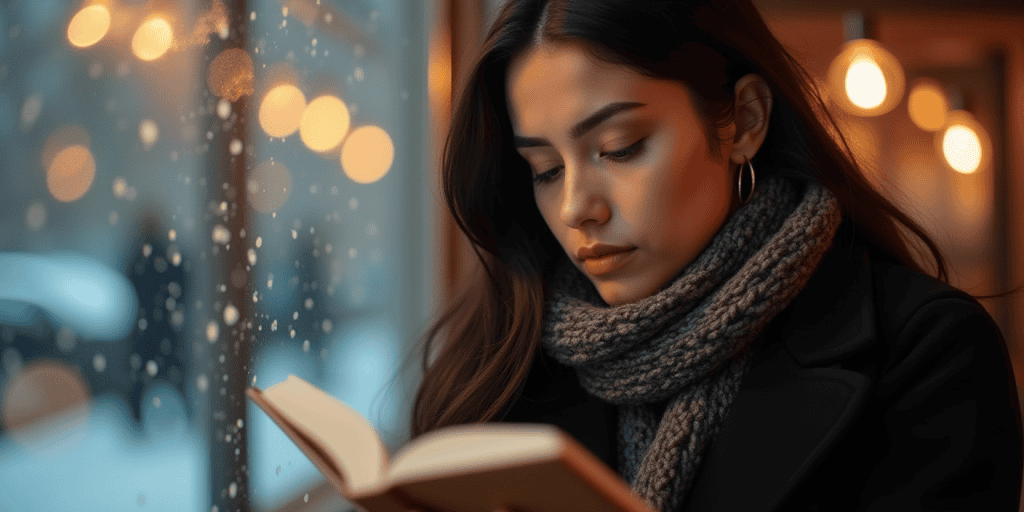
739, 182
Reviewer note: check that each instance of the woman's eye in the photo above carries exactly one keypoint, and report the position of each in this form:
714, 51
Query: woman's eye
618, 156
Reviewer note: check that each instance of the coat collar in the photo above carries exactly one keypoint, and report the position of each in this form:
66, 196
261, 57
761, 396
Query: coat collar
791, 407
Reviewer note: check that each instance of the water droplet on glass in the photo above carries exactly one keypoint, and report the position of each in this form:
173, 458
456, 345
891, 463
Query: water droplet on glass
143, 324
252, 256
295, 234
31, 109
239, 423
172, 235
148, 133
66, 340
147, 249
120, 187
292, 333
220, 234
259, 242
305, 498
233, 488
309, 303
99, 363
223, 108
273, 325
201, 382
35, 216
327, 326
156, 402
151, 368
230, 315
235, 147
305, 346
174, 289
211, 331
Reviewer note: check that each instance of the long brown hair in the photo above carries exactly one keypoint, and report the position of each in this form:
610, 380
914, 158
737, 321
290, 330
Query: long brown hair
492, 332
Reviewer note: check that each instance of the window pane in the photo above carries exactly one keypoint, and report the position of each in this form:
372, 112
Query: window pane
121, 308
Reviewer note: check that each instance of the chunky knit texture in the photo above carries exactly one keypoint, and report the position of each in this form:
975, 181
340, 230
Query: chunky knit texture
673, 361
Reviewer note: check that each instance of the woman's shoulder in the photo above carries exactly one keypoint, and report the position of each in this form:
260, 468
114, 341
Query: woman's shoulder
860, 299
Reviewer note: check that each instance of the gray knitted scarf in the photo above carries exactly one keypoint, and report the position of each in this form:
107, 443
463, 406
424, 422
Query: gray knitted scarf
673, 362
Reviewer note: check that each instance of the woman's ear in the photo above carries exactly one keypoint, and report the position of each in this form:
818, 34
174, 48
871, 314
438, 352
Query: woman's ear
753, 108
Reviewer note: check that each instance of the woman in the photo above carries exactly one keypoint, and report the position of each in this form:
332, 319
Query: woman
758, 336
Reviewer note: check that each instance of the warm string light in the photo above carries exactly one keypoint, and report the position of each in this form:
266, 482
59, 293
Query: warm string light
865, 79
964, 143
927, 104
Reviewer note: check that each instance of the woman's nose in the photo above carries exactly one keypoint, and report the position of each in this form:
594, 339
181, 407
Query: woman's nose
583, 198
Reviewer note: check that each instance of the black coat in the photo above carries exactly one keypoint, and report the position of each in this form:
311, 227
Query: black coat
877, 388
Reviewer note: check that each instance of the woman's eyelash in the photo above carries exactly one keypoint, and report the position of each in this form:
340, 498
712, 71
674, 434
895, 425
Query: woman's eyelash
619, 156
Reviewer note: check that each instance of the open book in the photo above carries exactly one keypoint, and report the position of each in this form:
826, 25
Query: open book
464, 468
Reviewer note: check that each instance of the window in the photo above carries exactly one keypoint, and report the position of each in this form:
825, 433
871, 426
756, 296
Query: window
199, 196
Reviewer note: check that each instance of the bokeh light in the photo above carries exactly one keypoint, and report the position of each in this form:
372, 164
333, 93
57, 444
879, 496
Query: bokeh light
89, 25
927, 104
35, 216
281, 110
67, 135
865, 79
367, 154
71, 173
962, 148
230, 75
269, 186
46, 406
963, 143
153, 38
324, 123
148, 133
865, 84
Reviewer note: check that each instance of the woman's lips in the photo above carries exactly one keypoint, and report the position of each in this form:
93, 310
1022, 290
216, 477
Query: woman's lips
608, 263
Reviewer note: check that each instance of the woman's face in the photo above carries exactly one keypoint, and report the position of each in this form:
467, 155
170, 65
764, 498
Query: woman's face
640, 177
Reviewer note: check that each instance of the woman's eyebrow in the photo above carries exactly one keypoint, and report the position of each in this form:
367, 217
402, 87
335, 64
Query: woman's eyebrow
583, 126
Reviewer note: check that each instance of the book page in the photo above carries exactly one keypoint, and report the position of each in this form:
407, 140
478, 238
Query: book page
350, 439
468, 448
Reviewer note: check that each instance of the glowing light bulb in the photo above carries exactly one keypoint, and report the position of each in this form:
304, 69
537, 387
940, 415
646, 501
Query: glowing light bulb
865, 84
865, 79
961, 148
